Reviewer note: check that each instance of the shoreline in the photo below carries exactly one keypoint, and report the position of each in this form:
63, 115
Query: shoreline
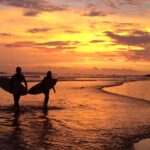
102, 88
141, 143
123, 82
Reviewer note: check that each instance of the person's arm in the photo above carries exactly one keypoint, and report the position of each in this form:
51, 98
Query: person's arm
25, 82
53, 86
54, 90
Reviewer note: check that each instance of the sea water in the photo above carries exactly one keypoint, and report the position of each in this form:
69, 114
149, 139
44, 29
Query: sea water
80, 116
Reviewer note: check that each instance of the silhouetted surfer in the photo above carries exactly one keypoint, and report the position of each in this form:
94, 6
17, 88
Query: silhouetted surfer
17, 78
46, 84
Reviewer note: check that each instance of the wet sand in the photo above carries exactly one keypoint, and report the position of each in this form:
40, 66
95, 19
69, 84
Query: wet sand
137, 89
142, 145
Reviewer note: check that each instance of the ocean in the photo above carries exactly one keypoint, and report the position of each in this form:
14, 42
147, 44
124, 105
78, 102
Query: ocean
81, 116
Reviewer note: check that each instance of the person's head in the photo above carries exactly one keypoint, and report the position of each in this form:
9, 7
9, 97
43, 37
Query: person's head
18, 70
49, 73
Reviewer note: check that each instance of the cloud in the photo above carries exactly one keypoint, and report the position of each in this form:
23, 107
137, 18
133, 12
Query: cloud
72, 32
46, 46
33, 7
60, 43
136, 55
96, 41
119, 3
51, 43
111, 4
126, 56
21, 44
135, 38
124, 24
94, 13
37, 30
32, 4
120, 24
31, 13
133, 2
5, 34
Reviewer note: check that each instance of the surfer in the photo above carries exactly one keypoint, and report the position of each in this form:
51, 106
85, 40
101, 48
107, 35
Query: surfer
17, 78
46, 84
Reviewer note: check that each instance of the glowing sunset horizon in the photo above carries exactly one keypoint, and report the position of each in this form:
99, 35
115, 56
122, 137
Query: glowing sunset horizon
92, 34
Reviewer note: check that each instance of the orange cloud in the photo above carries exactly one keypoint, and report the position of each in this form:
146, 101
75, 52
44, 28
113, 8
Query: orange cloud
136, 37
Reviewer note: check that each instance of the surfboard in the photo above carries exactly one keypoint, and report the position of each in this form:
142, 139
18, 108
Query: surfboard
37, 89
18, 88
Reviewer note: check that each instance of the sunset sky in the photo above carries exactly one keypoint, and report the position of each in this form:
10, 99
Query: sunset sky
94, 34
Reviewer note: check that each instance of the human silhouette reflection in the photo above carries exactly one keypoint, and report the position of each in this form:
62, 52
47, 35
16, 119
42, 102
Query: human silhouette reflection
46, 131
16, 136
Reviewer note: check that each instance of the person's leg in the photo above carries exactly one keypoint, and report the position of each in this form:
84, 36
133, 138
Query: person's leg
46, 99
16, 101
